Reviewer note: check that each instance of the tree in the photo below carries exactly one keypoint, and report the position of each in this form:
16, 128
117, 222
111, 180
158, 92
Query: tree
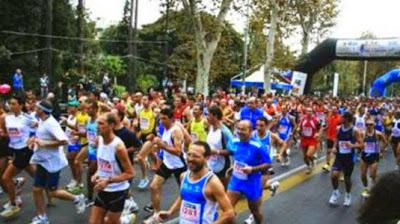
314, 17
206, 41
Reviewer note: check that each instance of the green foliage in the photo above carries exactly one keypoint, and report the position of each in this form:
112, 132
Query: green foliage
119, 90
145, 82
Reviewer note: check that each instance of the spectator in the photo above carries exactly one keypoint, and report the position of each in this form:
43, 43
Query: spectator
18, 82
44, 85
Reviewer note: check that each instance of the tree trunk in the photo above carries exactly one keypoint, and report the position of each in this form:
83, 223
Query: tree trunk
49, 32
304, 43
80, 10
270, 46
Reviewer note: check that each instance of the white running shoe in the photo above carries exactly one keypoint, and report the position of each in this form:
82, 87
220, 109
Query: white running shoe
143, 183
128, 219
151, 220
130, 206
288, 151
347, 200
10, 211
71, 184
274, 188
80, 204
40, 220
18, 202
249, 219
334, 197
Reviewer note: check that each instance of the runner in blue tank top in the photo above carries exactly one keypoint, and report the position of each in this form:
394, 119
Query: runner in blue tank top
249, 161
201, 192
286, 126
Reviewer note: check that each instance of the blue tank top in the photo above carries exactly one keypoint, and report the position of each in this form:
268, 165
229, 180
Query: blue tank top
195, 206
371, 144
378, 124
285, 127
265, 141
343, 137
91, 133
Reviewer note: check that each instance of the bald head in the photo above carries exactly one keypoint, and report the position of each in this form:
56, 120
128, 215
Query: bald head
244, 129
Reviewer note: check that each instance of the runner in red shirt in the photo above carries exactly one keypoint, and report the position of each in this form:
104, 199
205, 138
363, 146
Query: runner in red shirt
309, 128
332, 122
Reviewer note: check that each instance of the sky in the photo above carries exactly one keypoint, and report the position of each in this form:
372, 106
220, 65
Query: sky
356, 16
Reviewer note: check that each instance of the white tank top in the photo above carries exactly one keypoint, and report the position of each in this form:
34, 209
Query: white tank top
71, 121
396, 128
216, 163
18, 129
107, 165
360, 122
171, 161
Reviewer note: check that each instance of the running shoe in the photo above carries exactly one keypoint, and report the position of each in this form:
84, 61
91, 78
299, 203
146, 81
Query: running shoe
128, 219
80, 204
71, 184
365, 193
143, 183
130, 206
347, 200
334, 197
309, 170
287, 163
151, 220
148, 208
274, 188
40, 220
288, 151
10, 211
249, 219
326, 168
18, 202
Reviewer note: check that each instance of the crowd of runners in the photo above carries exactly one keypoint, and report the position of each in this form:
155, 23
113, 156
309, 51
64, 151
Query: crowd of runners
218, 148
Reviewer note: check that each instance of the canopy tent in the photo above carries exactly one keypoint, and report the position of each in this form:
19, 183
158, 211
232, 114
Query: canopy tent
256, 79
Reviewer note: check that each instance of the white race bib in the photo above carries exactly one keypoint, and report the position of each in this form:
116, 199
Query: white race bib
370, 147
190, 213
237, 170
307, 131
343, 148
283, 129
104, 165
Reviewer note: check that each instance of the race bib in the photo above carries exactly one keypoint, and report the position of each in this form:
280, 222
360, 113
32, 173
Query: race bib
370, 147
144, 123
237, 170
14, 132
91, 136
343, 148
190, 213
307, 131
104, 165
81, 128
360, 125
283, 129
195, 138
396, 131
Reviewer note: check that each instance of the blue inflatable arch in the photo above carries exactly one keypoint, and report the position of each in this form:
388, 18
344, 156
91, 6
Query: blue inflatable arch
378, 87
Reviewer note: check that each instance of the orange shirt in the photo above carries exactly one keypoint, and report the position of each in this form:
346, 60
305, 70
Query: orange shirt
332, 122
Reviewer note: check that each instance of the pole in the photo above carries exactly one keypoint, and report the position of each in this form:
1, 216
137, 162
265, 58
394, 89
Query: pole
365, 77
246, 38
166, 27
49, 32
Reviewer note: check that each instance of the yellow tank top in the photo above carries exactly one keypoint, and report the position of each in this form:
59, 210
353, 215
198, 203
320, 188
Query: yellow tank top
147, 121
81, 119
198, 131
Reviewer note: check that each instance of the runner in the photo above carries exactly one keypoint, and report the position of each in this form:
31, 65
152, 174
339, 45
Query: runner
198, 125
217, 138
333, 121
348, 139
395, 137
171, 143
370, 154
49, 159
111, 181
201, 193
286, 127
147, 125
309, 128
17, 125
5, 151
249, 161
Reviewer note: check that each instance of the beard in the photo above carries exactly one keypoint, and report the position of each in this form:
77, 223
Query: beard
196, 168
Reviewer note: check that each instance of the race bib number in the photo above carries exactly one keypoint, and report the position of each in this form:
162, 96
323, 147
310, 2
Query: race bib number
104, 165
91, 136
81, 128
238, 172
190, 213
283, 129
14, 132
359, 125
195, 138
343, 148
307, 131
370, 147
396, 131
144, 123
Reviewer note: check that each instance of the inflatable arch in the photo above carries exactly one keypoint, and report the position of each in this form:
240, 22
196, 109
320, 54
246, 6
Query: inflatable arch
378, 87
346, 49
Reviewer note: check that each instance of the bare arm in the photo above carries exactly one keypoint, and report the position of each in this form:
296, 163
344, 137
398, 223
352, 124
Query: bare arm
128, 171
227, 214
